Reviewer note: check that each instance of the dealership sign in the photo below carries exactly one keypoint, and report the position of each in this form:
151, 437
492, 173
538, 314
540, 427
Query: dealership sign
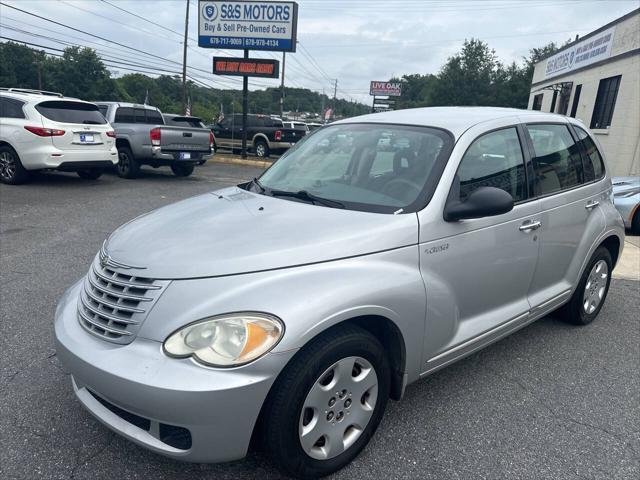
586, 52
248, 25
251, 67
392, 89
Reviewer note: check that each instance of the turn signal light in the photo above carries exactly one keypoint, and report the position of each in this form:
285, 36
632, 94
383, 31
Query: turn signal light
278, 135
45, 132
155, 136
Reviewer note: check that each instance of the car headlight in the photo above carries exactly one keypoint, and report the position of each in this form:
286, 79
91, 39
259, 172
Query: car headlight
226, 340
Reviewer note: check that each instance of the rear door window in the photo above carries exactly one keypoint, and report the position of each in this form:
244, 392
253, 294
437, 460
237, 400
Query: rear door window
64, 111
103, 110
556, 158
493, 160
594, 166
10, 108
153, 117
139, 116
124, 115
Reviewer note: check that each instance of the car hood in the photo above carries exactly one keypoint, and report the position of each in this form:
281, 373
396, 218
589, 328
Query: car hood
234, 231
623, 184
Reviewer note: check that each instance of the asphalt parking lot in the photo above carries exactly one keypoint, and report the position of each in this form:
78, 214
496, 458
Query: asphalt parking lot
550, 402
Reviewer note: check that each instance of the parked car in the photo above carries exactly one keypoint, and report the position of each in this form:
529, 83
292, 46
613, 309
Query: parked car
298, 126
188, 121
42, 130
626, 197
264, 134
313, 126
143, 138
373, 268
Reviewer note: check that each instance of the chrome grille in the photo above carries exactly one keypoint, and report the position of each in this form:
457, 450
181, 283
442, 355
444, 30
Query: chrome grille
113, 304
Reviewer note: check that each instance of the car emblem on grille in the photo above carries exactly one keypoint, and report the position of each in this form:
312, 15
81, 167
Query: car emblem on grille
107, 261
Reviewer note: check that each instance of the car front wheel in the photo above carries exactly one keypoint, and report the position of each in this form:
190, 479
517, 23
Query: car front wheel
182, 170
90, 173
327, 404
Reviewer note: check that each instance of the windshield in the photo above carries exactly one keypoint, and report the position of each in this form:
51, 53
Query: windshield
369, 167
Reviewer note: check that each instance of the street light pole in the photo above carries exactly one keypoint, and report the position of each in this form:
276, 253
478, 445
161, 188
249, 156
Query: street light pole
284, 57
184, 61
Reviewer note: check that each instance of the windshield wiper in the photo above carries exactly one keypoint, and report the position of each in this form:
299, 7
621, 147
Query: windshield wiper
304, 195
257, 183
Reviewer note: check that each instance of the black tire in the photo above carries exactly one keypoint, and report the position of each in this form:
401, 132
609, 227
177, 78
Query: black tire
128, 166
90, 173
635, 222
182, 170
261, 149
11, 170
283, 409
575, 311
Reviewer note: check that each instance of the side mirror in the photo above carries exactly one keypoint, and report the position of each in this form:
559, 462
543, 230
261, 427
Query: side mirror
482, 202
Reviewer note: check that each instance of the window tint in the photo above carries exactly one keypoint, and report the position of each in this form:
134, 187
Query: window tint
103, 110
71, 112
605, 102
138, 114
10, 108
557, 158
184, 121
124, 115
493, 160
594, 166
154, 117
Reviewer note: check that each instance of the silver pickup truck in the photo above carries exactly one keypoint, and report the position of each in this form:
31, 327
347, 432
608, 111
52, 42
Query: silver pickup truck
144, 138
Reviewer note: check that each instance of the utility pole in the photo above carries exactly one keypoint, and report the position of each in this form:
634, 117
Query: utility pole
284, 57
335, 92
184, 61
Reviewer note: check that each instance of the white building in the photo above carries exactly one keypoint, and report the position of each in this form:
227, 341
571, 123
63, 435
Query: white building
597, 80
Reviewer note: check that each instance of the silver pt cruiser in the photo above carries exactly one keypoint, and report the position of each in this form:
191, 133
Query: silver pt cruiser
286, 311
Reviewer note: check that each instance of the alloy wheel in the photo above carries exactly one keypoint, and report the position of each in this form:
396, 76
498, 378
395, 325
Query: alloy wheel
595, 287
338, 408
260, 150
7, 165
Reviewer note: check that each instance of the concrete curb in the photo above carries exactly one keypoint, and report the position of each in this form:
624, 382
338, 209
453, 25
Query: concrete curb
240, 161
628, 267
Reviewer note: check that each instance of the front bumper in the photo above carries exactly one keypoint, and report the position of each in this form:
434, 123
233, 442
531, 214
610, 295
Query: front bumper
218, 407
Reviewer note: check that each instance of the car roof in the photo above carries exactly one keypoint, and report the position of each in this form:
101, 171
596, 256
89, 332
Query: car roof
32, 96
457, 120
127, 104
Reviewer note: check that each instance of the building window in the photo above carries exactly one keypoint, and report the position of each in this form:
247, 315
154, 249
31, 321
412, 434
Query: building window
576, 101
553, 101
537, 102
605, 102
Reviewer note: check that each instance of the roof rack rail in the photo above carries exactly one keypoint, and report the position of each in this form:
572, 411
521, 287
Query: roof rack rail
29, 90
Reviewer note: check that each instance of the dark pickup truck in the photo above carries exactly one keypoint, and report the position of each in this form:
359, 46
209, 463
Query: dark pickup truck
264, 134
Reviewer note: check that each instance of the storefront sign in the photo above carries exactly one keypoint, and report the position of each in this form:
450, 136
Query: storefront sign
586, 52
392, 89
248, 25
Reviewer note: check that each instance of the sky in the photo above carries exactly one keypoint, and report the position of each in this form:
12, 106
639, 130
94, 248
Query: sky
353, 41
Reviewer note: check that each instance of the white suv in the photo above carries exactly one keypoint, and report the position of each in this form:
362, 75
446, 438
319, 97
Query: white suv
44, 130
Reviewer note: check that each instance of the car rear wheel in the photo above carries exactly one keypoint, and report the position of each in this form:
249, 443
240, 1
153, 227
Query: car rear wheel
589, 296
182, 170
90, 173
261, 148
128, 166
327, 404
11, 170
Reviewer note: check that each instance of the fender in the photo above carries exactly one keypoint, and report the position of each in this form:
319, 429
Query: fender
308, 299
261, 136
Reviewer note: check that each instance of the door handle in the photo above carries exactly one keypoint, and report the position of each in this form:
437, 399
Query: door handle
592, 204
529, 226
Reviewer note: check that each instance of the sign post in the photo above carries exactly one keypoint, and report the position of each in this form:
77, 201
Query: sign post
247, 25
